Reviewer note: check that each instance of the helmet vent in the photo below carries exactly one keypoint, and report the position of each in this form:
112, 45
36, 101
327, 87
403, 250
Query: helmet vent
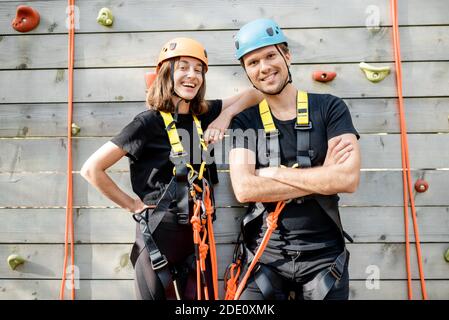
173, 46
237, 45
270, 31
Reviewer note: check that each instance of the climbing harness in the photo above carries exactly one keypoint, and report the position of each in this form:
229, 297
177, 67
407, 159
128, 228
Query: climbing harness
187, 184
69, 229
406, 176
304, 154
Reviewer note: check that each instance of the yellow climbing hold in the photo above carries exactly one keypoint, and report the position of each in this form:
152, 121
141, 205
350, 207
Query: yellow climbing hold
374, 74
446, 255
105, 17
15, 260
75, 129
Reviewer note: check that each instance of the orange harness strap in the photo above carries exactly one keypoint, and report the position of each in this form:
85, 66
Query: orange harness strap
203, 233
272, 225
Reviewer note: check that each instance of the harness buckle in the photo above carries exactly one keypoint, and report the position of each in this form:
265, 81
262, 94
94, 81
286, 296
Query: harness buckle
183, 218
303, 126
334, 271
272, 134
178, 158
158, 260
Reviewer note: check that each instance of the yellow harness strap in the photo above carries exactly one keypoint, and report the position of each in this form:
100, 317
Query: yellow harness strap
175, 142
302, 109
302, 113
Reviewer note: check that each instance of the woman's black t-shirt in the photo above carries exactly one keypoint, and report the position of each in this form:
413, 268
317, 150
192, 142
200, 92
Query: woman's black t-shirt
148, 148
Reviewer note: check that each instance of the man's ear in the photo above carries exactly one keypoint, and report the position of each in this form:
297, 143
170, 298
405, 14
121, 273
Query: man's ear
288, 58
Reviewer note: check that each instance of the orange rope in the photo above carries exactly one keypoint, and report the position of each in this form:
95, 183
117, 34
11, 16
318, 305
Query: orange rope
204, 226
69, 229
196, 226
231, 282
213, 251
406, 175
272, 225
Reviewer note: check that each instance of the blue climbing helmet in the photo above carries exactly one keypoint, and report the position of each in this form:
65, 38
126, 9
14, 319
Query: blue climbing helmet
257, 34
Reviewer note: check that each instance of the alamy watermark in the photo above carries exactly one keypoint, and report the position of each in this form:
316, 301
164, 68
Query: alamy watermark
372, 282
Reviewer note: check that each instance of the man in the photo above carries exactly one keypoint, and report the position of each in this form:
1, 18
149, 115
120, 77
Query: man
314, 134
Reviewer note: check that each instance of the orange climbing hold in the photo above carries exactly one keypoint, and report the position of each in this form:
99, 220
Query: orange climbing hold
323, 76
149, 78
421, 185
26, 19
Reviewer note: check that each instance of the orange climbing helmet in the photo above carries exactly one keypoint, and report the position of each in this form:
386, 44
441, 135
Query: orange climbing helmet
182, 47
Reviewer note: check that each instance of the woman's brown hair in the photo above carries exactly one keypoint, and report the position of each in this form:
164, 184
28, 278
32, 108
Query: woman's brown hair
159, 95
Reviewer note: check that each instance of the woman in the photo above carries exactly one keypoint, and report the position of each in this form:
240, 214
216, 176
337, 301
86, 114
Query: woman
164, 170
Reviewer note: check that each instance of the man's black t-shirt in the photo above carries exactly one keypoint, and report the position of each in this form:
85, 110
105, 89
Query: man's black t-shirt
301, 226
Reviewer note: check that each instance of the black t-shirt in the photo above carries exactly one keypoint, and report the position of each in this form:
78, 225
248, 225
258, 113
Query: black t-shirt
300, 226
148, 148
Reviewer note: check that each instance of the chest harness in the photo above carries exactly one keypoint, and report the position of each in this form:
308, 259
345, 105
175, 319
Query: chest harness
187, 185
324, 280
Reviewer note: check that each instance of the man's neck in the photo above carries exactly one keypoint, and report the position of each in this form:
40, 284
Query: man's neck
283, 105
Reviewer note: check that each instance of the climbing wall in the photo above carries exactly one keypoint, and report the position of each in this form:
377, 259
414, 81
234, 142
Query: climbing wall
110, 63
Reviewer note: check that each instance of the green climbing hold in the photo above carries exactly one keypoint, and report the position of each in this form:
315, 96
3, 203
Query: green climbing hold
15, 260
374, 74
446, 255
105, 17
75, 129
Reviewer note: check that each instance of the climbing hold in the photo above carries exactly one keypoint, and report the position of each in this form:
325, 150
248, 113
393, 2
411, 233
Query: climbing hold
105, 17
374, 74
15, 260
26, 19
421, 185
149, 78
75, 129
446, 255
323, 76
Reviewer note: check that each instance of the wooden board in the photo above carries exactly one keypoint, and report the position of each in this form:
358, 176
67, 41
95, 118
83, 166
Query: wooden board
37, 289
424, 115
378, 151
349, 45
92, 225
363, 224
111, 261
377, 188
127, 84
397, 290
133, 15
124, 290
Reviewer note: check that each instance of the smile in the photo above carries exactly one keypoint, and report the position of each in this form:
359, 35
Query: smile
269, 77
188, 85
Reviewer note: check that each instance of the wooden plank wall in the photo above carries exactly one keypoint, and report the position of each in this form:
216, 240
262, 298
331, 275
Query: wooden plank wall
109, 91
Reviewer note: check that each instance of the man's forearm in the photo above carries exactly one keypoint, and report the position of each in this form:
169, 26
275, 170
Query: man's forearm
319, 180
259, 189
